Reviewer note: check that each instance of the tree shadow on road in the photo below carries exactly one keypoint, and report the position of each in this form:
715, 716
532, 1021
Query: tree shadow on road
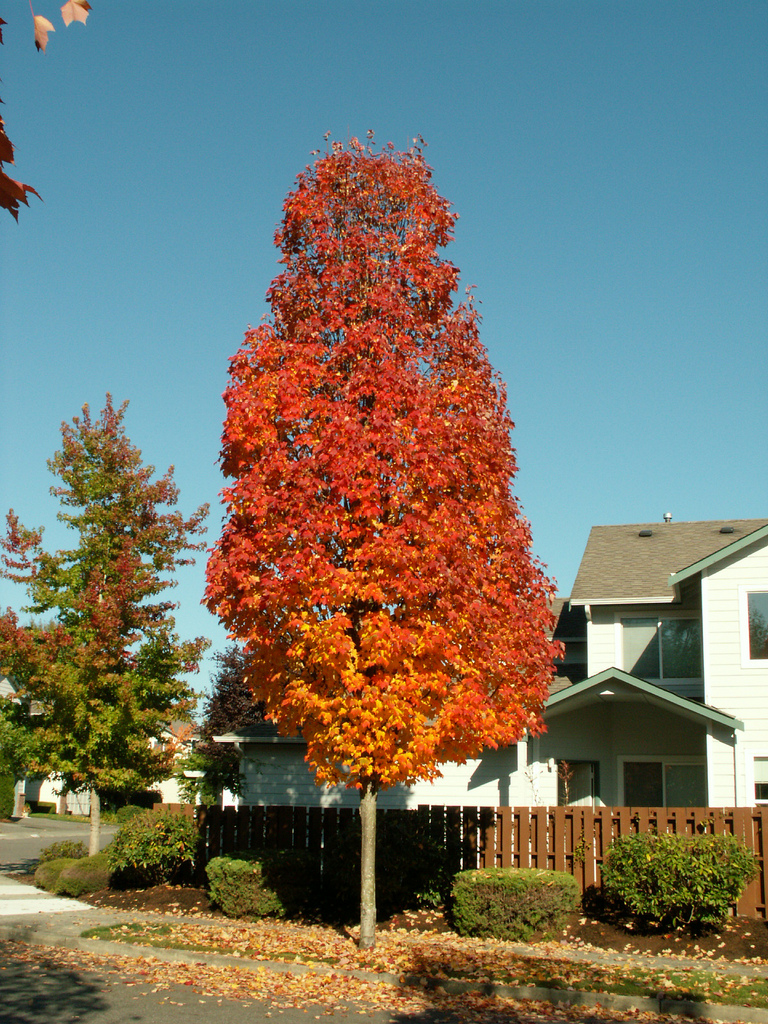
40, 992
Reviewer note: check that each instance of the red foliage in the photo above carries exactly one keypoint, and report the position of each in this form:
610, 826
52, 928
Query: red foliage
374, 561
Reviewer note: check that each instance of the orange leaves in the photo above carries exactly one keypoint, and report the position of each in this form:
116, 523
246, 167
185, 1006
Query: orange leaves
373, 558
72, 10
75, 10
13, 192
42, 28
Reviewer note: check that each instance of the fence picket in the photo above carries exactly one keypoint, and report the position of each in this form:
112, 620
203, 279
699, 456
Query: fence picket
573, 839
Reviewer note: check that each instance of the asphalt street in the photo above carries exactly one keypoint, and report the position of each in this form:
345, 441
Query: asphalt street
22, 840
34, 990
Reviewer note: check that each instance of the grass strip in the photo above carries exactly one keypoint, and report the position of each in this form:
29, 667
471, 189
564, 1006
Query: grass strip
494, 964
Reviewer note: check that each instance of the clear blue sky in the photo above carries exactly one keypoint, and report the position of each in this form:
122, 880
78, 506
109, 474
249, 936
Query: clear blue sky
609, 162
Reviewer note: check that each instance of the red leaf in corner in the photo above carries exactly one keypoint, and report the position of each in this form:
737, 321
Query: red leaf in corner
75, 10
42, 28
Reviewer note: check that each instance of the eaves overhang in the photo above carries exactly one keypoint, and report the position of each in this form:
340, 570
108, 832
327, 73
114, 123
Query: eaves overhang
265, 732
613, 685
650, 599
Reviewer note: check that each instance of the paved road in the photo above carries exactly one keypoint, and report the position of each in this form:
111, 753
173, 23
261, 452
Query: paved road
21, 841
34, 989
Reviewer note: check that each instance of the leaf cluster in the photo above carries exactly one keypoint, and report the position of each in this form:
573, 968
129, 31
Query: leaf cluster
374, 561
678, 880
99, 674
230, 705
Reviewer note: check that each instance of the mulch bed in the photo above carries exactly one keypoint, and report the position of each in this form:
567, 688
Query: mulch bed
742, 938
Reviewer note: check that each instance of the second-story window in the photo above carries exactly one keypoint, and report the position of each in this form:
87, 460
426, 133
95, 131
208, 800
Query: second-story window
662, 648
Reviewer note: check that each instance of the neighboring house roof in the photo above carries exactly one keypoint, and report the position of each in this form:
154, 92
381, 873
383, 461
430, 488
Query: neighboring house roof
613, 685
642, 562
260, 732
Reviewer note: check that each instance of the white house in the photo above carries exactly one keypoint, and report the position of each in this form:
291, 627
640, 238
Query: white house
661, 698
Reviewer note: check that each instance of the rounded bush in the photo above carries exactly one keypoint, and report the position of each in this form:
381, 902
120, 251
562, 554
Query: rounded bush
64, 848
154, 848
47, 874
87, 874
512, 903
264, 883
677, 880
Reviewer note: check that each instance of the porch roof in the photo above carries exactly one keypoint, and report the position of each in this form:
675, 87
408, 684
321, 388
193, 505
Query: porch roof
260, 732
615, 685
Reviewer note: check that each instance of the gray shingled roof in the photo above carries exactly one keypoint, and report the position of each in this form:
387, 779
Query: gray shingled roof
620, 565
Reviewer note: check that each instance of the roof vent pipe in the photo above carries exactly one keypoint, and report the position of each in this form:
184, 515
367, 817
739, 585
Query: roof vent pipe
667, 517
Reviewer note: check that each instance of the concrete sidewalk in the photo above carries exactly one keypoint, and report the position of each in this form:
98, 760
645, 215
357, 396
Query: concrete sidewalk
20, 900
34, 917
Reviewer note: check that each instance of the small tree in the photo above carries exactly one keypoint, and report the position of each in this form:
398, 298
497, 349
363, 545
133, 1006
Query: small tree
374, 561
103, 678
229, 706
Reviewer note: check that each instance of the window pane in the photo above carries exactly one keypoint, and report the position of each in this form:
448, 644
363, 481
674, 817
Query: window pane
757, 605
681, 649
761, 778
643, 784
686, 785
641, 647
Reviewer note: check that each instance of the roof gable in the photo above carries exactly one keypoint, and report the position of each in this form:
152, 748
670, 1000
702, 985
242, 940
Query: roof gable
634, 563
615, 684
718, 556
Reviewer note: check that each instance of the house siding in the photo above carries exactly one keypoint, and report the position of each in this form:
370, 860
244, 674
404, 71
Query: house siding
729, 684
277, 775
605, 649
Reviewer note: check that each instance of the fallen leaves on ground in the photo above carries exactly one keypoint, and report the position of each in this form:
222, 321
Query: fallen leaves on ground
330, 992
430, 958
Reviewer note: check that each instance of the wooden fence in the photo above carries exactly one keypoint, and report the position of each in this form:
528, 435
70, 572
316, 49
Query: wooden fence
572, 839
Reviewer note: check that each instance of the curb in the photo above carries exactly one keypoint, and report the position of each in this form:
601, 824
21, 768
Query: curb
33, 932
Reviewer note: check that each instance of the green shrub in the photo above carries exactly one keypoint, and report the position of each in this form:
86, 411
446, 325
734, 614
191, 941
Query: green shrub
264, 883
123, 814
512, 903
87, 874
64, 848
678, 880
413, 867
151, 848
47, 874
7, 794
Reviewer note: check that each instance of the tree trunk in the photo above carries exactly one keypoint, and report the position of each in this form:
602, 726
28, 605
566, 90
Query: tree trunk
93, 844
368, 796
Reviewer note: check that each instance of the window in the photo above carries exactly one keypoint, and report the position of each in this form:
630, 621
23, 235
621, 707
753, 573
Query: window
761, 780
757, 624
662, 649
665, 784
577, 782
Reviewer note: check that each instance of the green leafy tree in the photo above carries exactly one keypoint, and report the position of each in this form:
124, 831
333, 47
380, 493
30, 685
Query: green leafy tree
105, 676
229, 706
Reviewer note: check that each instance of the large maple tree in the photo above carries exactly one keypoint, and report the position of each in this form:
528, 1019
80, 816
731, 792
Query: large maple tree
373, 559
99, 669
